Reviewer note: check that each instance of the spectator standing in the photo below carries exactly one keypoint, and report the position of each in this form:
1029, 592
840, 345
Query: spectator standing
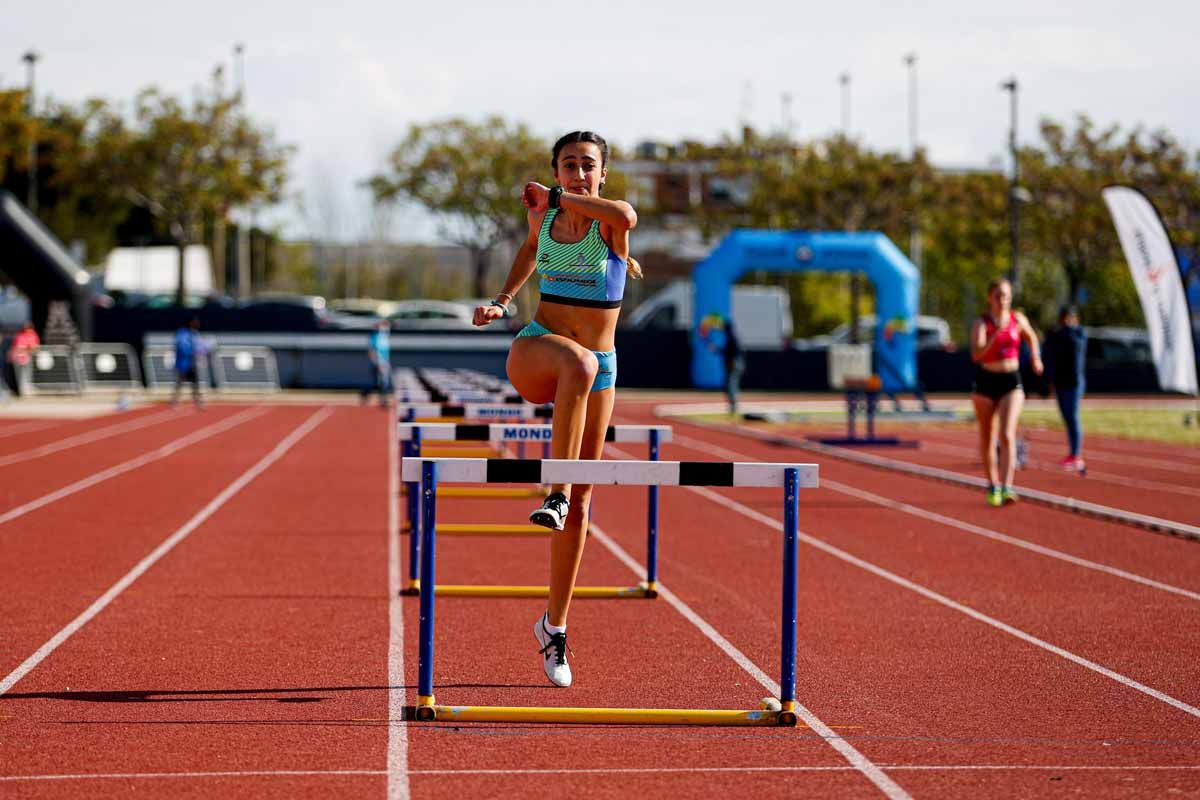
735, 365
1066, 348
189, 349
24, 345
379, 351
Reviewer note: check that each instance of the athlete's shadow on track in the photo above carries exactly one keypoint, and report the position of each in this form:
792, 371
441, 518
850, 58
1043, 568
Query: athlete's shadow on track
308, 694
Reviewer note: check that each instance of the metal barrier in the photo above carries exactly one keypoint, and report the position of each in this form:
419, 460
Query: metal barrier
249, 369
52, 369
108, 367
158, 363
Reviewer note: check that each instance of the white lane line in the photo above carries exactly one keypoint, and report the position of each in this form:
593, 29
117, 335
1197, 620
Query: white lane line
333, 773
25, 427
856, 759
1092, 454
951, 604
168, 544
826, 483
132, 464
1093, 474
88, 438
397, 747
1000, 537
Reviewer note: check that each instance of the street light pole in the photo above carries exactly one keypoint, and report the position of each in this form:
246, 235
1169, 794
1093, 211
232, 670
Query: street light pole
914, 230
844, 81
244, 265
855, 289
1014, 202
30, 59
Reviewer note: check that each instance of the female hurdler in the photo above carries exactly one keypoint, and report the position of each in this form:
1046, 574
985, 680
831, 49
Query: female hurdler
578, 243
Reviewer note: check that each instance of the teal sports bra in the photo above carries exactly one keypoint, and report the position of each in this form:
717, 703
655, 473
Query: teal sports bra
584, 273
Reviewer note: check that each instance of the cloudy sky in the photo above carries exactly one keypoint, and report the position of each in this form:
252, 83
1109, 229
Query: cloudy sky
343, 83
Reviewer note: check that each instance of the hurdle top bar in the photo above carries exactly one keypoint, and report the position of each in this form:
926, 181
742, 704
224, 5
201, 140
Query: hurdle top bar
477, 410
628, 473
499, 432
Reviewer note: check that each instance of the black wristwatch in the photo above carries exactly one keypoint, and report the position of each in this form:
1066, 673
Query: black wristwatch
555, 194
503, 307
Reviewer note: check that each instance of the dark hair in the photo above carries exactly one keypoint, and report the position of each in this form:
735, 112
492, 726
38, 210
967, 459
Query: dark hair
997, 283
1068, 311
577, 137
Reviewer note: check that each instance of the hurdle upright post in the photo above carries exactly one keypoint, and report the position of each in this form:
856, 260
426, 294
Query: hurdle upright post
414, 526
791, 557
425, 698
652, 525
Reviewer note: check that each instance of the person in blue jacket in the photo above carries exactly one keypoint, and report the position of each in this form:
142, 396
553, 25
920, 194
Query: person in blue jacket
189, 349
379, 351
1066, 347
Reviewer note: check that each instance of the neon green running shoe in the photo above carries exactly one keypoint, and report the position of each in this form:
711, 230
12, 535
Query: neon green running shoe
1008, 495
994, 497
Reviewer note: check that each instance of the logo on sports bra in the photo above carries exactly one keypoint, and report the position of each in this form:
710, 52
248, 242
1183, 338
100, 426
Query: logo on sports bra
581, 261
544, 258
578, 280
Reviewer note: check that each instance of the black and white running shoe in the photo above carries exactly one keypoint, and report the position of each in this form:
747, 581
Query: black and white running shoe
554, 653
553, 513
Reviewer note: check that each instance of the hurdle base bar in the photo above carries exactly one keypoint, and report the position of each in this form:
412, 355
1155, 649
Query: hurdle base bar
643, 591
470, 491
762, 717
459, 452
490, 529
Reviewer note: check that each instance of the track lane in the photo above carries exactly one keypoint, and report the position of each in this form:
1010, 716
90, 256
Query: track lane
31, 481
906, 681
59, 558
1145, 491
262, 641
28, 433
638, 653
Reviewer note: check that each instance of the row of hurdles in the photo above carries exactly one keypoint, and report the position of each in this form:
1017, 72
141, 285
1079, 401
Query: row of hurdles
427, 468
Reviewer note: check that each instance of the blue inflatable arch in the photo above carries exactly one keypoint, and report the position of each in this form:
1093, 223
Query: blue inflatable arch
897, 285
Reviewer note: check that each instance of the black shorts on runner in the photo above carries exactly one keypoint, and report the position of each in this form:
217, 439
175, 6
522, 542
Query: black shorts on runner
995, 385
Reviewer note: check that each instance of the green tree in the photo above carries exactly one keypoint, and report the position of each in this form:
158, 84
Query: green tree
15, 129
830, 184
1068, 218
470, 176
189, 163
965, 234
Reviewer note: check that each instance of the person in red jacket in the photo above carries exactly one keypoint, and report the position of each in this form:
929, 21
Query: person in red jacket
24, 345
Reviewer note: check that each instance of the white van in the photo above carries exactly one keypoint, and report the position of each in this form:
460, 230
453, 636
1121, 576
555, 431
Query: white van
762, 315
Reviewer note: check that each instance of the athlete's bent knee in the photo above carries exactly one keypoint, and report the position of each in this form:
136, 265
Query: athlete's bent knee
580, 367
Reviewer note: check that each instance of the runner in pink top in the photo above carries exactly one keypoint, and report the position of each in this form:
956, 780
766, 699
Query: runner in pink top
995, 349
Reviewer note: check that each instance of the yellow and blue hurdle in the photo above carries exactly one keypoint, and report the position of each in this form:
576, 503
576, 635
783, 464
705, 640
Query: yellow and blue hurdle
412, 436
792, 477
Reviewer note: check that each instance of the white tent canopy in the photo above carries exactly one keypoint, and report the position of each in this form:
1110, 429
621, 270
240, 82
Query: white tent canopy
155, 270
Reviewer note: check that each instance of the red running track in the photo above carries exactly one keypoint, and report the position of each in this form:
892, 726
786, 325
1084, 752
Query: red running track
259, 646
1160, 482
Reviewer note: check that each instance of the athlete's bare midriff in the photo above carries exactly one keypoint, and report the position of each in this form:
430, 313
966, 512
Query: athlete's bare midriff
594, 328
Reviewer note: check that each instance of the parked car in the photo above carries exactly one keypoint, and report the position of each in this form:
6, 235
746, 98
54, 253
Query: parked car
14, 310
1109, 346
363, 307
431, 315
300, 313
933, 333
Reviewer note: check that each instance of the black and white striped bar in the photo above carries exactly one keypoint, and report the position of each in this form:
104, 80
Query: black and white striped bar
499, 432
476, 410
625, 473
